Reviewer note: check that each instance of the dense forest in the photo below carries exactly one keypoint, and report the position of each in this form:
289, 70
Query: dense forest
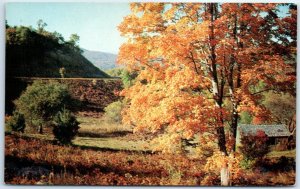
39, 53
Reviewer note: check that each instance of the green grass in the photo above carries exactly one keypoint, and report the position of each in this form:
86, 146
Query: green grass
277, 154
112, 143
102, 134
106, 135
114, 135
100, 126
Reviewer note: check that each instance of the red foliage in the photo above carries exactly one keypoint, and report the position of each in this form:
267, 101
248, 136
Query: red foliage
90, 167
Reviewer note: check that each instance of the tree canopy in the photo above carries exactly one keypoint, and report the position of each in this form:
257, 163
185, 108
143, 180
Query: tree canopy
201, 64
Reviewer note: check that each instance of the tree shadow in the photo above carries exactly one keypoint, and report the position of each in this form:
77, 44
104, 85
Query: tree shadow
282, 164
104, 135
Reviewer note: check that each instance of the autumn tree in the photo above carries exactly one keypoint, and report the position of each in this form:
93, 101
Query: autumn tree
191, 57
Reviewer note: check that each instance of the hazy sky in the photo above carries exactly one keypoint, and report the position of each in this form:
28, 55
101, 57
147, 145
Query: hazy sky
95, 23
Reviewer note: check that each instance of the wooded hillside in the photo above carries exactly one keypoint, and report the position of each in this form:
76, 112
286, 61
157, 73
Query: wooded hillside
39, 53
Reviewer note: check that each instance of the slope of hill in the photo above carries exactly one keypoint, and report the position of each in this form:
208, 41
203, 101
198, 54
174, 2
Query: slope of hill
101, 60
31, 53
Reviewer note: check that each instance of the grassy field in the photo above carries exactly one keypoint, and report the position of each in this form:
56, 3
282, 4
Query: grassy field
99, 133
278, 154
106, 153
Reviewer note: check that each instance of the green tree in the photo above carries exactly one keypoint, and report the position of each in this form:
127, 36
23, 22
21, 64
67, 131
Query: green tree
115, 72
60, 39
41, 26
74, 39
65, 126
16, 122
41, 102
128, 77
73, 42
113, 111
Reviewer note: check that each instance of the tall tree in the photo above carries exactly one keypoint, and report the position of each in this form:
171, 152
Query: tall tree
41, 26
192, 56
74, 39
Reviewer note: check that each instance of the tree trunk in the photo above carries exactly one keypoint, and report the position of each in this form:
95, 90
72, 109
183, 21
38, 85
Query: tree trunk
234, 66
234, 118
40, 129
222, 140
225, 176
217, 87
218, 83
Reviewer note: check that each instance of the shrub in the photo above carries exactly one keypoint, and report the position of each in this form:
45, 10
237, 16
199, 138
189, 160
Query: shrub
128, 78
16, 122
41, 101
247, 163
253, 148
113, 111
65, 126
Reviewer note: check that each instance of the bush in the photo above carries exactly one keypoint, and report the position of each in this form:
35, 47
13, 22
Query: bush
41, 102
113, 111
253, 148
16, 122
247, 163
65, 126
128, 77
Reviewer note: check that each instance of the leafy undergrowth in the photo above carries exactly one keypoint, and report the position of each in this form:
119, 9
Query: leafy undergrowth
36, 161
72, 165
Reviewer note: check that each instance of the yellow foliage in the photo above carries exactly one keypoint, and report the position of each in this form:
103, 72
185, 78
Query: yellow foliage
190, 58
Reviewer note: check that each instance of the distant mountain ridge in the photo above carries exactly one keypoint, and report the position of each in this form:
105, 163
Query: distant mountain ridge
102, 60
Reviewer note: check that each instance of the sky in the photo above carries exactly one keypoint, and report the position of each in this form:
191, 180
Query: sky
95, 23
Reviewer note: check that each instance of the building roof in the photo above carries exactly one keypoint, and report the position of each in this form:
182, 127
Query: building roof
270, 130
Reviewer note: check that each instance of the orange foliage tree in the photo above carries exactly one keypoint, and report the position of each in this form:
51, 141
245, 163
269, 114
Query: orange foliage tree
192, 56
